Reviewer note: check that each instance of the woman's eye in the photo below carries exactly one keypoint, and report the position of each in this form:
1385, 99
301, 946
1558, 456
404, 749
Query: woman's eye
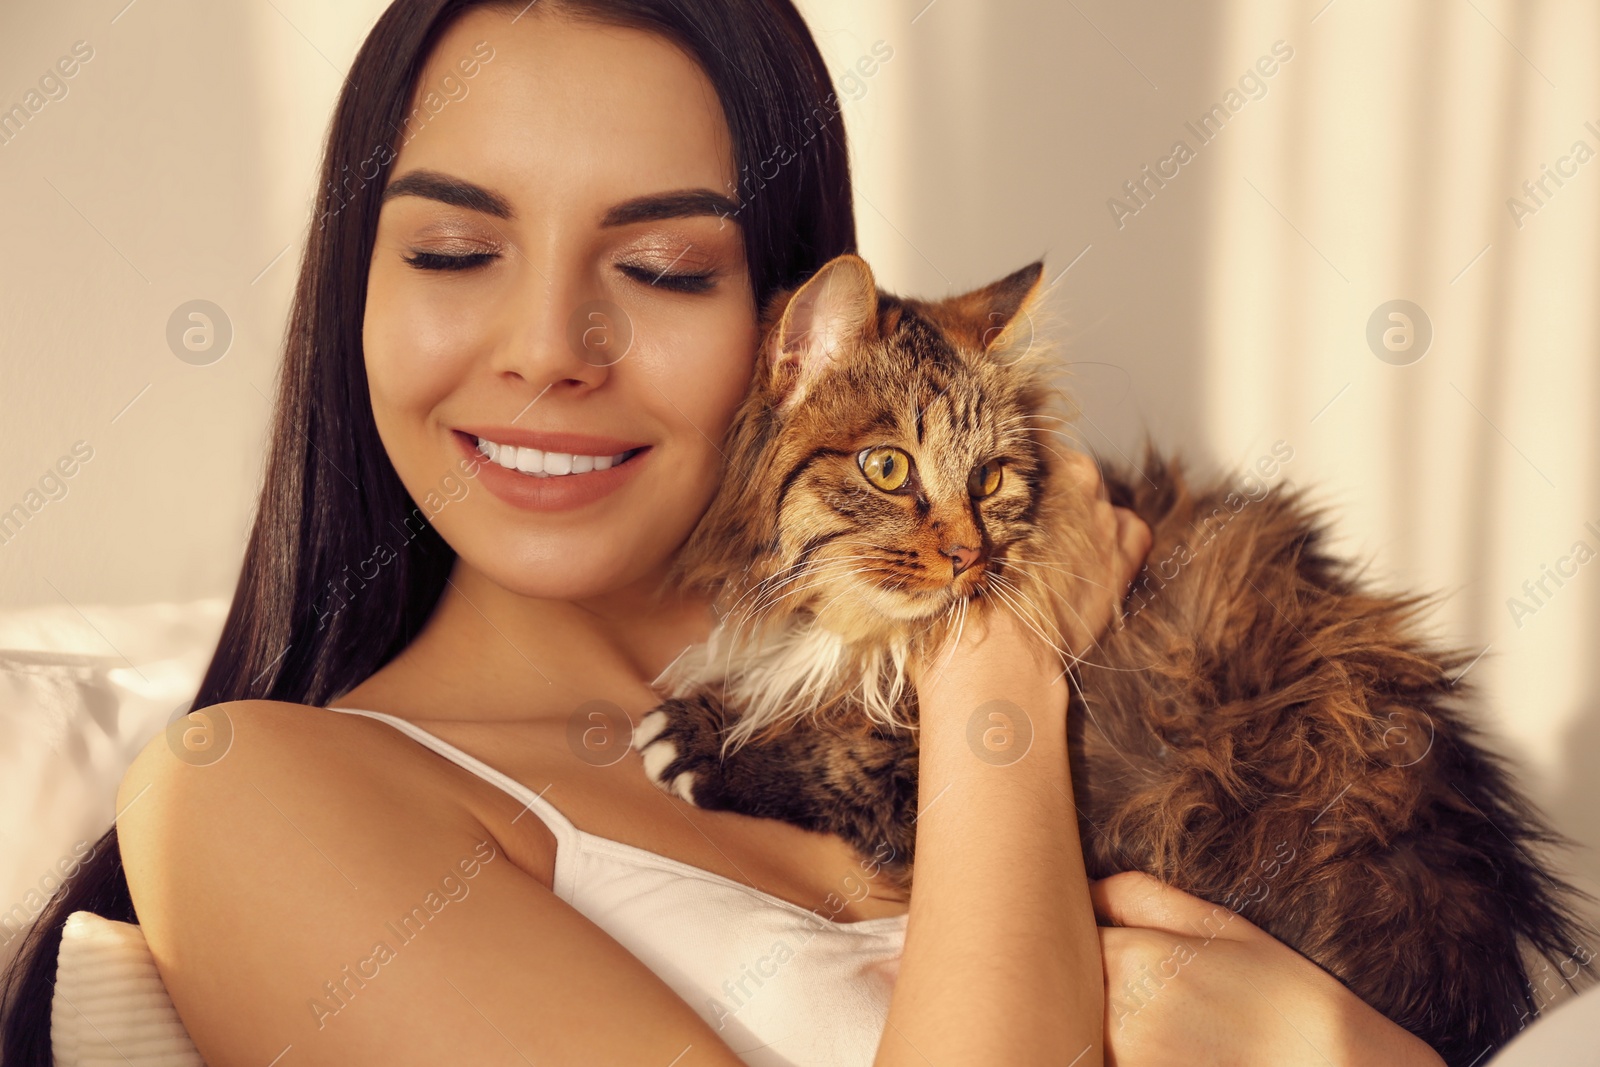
446, 261
680, 283
885, 467
984, 479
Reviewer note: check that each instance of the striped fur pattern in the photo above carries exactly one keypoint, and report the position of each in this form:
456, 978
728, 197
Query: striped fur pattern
1261, 729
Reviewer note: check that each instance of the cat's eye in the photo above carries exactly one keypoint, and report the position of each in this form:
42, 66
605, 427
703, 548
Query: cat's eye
984, 479
885, 467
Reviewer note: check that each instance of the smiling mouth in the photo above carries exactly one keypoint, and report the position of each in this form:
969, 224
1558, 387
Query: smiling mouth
539, 463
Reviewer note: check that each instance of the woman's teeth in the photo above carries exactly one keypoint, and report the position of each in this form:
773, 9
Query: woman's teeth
543, 464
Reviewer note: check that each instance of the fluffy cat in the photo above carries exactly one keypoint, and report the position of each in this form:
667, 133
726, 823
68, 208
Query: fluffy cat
1260, 729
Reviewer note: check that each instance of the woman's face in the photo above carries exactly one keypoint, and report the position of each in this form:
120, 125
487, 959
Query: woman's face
553, 274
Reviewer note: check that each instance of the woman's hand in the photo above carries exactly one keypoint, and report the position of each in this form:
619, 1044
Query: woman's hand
1192, 982
996, 644
1118, 542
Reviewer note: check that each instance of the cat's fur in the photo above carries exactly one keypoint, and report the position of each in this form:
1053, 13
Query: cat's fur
1260, 729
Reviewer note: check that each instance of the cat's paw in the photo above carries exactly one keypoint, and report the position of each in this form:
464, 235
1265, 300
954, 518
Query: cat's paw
660, 753
678, 741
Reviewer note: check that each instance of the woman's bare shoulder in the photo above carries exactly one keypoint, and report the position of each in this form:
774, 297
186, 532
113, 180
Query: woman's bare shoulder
305, 879
219, 748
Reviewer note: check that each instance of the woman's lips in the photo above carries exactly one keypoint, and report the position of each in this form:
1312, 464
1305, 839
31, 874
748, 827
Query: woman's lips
553, 440
548, 490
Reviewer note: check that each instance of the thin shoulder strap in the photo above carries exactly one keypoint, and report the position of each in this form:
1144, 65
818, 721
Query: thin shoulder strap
559, 824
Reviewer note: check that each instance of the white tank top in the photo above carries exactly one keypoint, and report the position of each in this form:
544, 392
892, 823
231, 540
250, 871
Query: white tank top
782, 986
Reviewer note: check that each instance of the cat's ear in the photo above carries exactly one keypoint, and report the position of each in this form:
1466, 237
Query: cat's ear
835, 309
983, 318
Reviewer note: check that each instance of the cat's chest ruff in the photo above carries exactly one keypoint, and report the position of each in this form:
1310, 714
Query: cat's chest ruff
790, 670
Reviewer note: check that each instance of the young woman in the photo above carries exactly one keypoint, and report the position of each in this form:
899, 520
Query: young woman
319, 886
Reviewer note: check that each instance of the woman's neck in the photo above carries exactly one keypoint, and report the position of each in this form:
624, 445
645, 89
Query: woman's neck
487, 653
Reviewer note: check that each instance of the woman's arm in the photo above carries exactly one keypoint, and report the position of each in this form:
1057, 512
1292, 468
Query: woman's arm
1190, 982
306, 909
1001, 962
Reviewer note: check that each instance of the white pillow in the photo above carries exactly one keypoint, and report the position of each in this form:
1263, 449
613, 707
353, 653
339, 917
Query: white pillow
110, 1007
82, 689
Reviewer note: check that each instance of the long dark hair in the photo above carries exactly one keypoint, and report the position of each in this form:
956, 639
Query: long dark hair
316, 521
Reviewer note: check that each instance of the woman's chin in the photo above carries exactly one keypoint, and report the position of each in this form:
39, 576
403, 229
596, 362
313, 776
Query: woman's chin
567, 575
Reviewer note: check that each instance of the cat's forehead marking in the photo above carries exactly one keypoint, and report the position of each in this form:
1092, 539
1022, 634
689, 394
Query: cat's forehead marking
954, 424
924, 344
916, 384
937, 371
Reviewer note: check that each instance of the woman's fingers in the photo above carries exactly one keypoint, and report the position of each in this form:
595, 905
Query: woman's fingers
1192, 982
1105, 557
1135, 899
1133, 545
1086, 472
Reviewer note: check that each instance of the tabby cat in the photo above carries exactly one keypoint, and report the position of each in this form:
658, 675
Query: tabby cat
1259, 729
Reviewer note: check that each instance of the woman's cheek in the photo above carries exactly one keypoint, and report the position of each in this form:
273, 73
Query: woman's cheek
706, 366
417, 348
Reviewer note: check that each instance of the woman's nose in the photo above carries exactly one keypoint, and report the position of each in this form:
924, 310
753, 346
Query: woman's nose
562, 335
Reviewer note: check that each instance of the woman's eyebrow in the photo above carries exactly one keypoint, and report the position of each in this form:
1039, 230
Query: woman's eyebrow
682, 203
458, 192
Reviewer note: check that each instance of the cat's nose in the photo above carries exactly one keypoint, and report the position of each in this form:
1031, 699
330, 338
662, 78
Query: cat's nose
962, 557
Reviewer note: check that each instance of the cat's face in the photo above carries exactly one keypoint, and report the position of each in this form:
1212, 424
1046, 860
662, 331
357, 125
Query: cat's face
903, 475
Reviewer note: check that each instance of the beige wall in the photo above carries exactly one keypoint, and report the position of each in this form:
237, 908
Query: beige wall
179, 166
1229, 312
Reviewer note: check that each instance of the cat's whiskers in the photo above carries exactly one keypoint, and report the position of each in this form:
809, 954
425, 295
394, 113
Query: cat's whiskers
1028, 561
758, 620
1022, 420
1083, 659
848, 676
817, 571
1028, 421
804, 567
1056, 454
1073, 439
821, 580
1063, 568
818, 611
754, 618
786, 573
1022, 597
794, 581
961, 626
1025, 416
1047, 587
1018, 595
799, 571
1016, 603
